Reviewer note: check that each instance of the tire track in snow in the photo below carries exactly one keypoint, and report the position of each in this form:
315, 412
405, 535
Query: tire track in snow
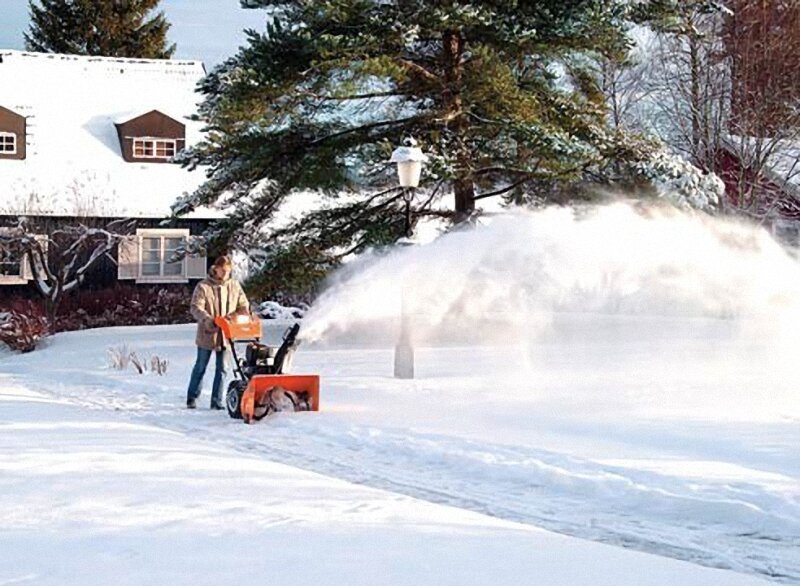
552, 491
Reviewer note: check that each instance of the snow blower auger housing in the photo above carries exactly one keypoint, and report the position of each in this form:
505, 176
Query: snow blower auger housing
261, 387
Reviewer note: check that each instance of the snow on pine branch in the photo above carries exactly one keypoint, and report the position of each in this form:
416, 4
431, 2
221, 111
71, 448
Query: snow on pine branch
680, 182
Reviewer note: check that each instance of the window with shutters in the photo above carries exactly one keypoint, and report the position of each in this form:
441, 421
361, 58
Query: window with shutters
157, 251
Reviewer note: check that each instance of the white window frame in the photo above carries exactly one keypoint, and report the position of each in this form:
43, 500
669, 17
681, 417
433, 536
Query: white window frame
17, 279
141, 140
22, 277
162, 235
13, 150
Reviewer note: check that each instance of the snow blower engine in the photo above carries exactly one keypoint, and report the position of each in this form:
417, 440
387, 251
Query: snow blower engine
261, 387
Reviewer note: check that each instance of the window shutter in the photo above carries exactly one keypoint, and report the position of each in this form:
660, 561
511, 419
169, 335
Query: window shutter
45, 243
128, 258
25, 270
196, 266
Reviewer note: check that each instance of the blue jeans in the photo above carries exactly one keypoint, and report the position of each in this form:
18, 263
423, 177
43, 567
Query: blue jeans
203, 356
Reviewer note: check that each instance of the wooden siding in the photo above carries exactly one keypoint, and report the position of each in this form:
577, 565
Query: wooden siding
15, 124
154, 124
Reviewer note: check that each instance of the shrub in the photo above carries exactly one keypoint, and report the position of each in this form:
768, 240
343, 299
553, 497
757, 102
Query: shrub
121, 357
157, 365
273, 310
22, 332
122, 305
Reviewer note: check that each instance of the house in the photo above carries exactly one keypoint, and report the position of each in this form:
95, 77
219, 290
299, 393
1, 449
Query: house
90, 140
762, 180
759, 158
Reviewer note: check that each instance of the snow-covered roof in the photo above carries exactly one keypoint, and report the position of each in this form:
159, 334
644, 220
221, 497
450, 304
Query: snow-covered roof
73, 163
781, 157
784, 163
122, 117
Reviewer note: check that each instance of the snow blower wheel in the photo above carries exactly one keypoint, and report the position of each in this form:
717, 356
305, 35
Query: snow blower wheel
233, 400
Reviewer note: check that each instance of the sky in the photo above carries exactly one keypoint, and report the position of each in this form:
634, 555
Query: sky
209, 30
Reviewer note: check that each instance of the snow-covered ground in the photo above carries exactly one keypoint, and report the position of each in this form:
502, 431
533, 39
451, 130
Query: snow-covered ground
443, 479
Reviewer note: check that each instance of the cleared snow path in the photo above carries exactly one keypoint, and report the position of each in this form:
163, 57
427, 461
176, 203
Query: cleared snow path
726, 526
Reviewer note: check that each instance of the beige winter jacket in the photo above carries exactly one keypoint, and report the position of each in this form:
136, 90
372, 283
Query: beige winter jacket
212, 298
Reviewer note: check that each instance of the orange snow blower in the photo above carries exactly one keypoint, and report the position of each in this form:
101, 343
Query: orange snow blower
261, 387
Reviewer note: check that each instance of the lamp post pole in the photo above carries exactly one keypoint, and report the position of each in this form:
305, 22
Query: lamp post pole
408, 197
403, 350
409, 159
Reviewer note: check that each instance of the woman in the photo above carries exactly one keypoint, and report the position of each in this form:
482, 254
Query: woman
215, 295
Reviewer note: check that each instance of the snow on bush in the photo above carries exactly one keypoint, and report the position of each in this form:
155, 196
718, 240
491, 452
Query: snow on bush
273, 310
680, 182
22, 332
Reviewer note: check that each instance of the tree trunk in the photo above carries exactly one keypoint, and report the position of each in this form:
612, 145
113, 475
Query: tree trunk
51, 308
696, 100
464, 197
463, 188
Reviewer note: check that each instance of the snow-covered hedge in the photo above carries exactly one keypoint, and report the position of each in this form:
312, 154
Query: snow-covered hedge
273, 310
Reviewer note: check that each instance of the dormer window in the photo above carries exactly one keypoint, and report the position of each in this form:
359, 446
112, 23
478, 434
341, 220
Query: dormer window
154, 148
8, 143
13, 135
152, 137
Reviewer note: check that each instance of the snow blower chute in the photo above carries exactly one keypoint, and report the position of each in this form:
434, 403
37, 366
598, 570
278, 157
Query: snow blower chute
261, 387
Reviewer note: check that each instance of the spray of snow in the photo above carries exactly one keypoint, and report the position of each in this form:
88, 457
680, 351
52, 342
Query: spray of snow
504, 280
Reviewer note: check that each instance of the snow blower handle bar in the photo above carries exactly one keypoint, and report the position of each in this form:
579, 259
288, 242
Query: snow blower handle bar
239, 327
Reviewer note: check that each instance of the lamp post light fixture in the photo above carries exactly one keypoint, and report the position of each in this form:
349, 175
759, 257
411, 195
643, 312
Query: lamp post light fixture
409, 158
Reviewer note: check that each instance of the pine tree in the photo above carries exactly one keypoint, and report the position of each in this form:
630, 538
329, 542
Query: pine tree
493, 90
114, 28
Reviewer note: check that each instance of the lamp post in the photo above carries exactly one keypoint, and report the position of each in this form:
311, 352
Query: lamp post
409, 158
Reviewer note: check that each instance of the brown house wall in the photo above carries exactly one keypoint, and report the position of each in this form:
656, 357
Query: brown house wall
153, 124
13, 122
